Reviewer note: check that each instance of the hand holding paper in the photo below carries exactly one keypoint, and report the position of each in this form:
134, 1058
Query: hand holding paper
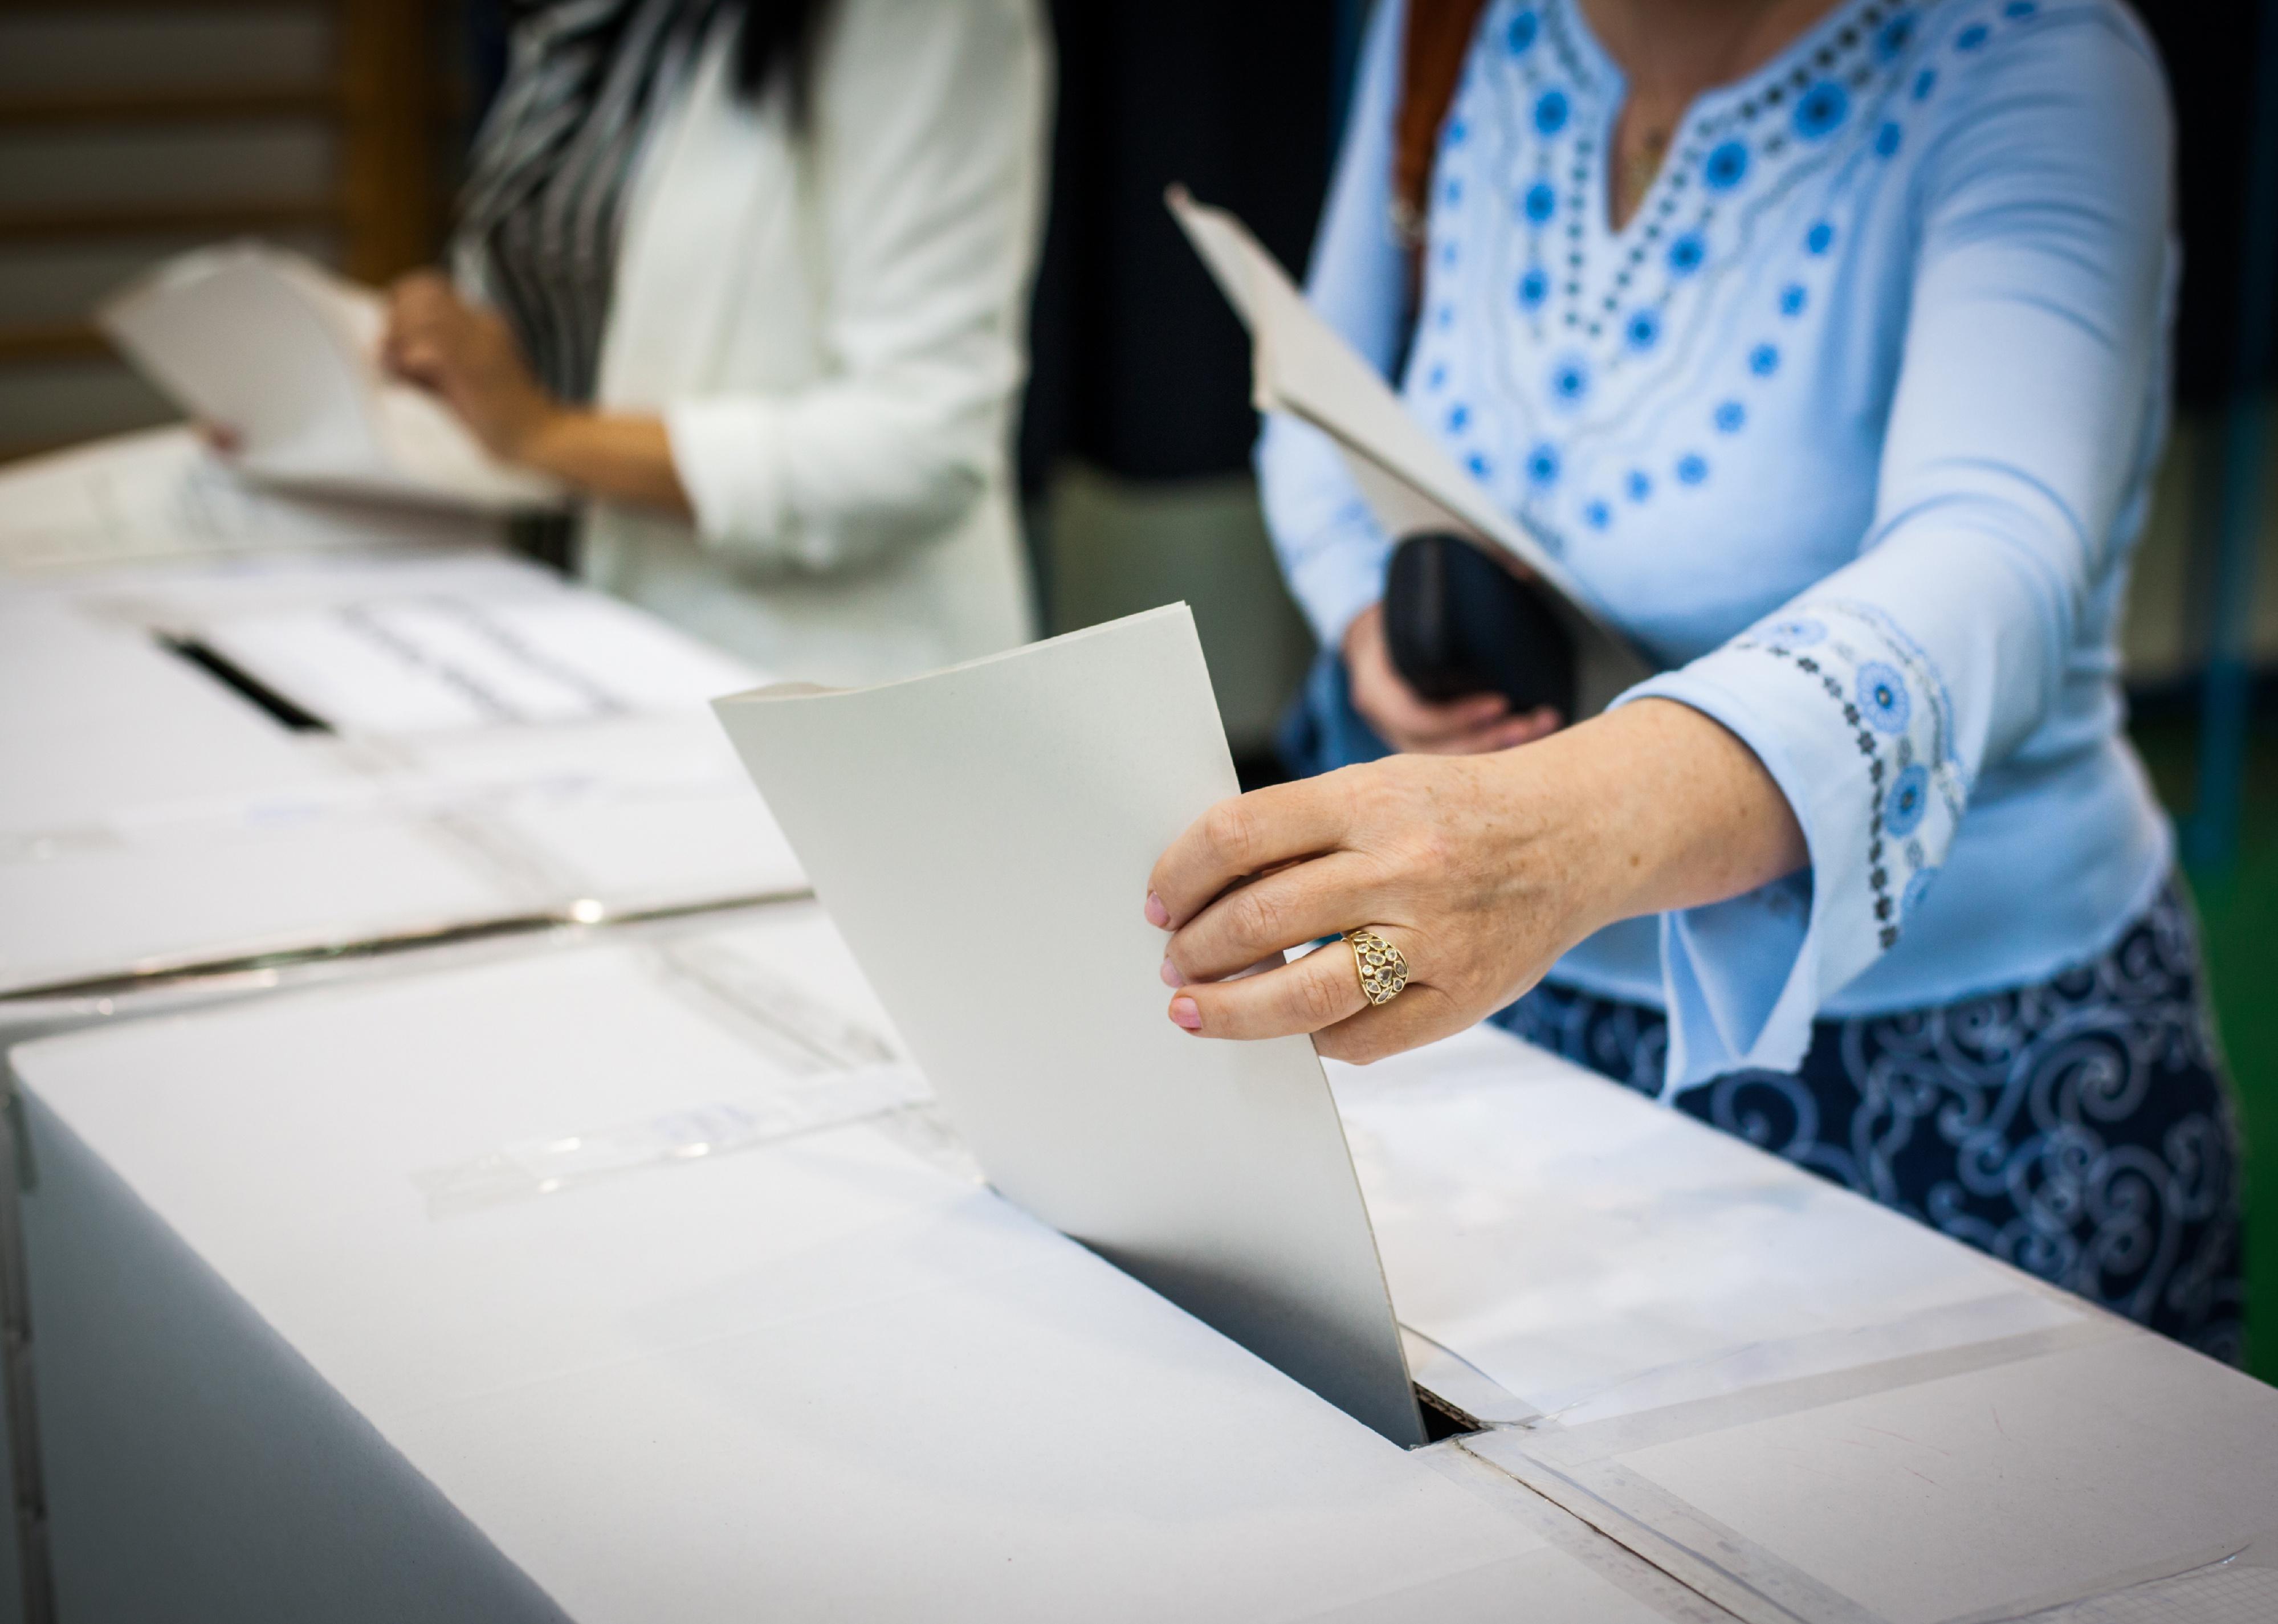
285, 354
981, 838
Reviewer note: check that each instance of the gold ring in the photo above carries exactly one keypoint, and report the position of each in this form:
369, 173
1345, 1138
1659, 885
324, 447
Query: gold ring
1383, 968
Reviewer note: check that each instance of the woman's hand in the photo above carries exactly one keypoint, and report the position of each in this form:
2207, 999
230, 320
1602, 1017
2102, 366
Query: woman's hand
469, 356
1411, 724
1482, 869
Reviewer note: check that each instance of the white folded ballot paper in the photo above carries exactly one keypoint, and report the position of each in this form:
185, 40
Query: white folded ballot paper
981, 838
286, 355
1299, 365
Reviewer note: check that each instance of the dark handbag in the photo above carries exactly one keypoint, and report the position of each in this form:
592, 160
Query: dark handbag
1458, 623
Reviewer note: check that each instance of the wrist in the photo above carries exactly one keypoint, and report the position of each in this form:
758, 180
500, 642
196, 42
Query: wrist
1561, 830
1659, 807
545, 438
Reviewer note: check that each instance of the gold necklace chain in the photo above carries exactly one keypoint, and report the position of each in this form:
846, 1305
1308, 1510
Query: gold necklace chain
1634, 171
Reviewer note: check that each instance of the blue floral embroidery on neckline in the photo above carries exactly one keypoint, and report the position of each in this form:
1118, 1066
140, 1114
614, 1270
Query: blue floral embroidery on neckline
1550, 113
1729, 415
1692, 468
1639, 485
1821, 110
1533, 288
1540, 201
1686, 253
1727, 166
1542, 464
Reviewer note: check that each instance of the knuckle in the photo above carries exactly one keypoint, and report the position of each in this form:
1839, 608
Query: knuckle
1229, 828
1431, 847
1368, 793
1318, 1001
1257, 917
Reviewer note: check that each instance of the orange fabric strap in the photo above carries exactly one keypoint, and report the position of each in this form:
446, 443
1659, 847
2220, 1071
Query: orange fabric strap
1437, 36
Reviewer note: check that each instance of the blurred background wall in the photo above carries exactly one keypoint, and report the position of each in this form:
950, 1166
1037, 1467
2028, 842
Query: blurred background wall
131, 128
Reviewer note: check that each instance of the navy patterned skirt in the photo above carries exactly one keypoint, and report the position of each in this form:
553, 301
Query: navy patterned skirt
2080, 1129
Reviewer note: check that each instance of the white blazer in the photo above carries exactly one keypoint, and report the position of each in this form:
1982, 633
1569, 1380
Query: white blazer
834, 333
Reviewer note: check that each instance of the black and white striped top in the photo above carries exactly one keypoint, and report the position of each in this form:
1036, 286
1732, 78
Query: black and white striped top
550, 173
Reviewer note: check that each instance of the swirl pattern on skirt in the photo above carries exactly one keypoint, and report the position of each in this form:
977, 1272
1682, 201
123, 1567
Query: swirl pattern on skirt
2079, 1128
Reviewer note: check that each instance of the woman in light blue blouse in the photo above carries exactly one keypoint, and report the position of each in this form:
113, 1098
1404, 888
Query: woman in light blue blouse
1824, 343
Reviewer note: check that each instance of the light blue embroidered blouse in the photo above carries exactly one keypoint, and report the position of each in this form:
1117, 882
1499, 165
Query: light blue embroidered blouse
1851, 427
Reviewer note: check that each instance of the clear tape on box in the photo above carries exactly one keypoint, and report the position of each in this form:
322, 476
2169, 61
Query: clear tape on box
541, 1167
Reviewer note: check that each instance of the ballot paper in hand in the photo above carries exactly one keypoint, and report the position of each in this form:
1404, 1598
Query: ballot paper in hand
285, 354
982, 837
1299, 365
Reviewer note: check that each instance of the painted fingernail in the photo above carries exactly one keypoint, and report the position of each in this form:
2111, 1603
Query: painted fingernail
1158, 915
1187, 1013
1171, 976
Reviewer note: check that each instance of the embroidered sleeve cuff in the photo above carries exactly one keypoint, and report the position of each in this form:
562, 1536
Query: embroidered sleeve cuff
1854, 724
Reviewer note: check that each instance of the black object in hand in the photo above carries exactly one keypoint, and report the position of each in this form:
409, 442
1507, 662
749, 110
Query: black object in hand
1456, 623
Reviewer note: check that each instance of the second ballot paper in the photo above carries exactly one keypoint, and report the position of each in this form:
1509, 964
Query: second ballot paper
982, 837
1300, 366
272, 346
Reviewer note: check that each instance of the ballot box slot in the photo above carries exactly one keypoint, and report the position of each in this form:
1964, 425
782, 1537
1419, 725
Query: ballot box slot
1443, 1421
244, 684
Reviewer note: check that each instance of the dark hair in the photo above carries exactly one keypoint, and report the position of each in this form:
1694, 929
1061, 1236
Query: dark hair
778, 41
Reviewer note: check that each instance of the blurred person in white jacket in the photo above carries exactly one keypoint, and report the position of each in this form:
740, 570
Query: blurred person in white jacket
750, 276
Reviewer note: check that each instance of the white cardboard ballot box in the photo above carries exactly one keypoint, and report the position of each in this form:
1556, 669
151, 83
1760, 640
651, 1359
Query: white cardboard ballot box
288, 755
162, 494
367, 1289
415, 1299
1804, 1406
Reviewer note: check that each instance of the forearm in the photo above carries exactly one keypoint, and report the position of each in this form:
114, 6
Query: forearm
1655, 807
619, 457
